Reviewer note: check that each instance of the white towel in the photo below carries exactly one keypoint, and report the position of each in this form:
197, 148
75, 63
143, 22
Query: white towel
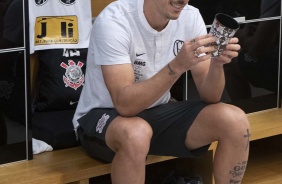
40, 146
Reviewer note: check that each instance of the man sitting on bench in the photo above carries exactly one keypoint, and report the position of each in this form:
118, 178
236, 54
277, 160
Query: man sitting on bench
138, 50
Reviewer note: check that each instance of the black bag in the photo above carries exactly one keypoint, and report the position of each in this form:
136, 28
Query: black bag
55, 128
61, 78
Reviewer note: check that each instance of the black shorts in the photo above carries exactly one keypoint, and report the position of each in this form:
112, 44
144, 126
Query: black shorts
170, 123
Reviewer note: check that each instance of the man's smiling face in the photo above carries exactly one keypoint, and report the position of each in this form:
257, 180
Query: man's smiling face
159, 12
170, 9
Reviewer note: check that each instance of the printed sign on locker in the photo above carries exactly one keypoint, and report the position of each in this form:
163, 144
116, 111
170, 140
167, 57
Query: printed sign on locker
59, 24
56, 30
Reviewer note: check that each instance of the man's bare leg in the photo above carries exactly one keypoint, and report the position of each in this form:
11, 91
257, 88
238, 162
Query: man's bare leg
130, 139
230, 127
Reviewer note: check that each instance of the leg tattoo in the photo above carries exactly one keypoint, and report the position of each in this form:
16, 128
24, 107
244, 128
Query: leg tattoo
238, 171
248, 137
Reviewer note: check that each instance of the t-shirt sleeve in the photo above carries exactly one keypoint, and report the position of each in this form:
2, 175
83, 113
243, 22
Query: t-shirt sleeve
200, 24
195, 25
110, 42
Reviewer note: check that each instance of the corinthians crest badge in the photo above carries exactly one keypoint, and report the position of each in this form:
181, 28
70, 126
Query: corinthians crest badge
74, 76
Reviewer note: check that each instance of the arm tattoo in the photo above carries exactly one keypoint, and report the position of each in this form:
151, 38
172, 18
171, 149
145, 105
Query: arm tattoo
171, 72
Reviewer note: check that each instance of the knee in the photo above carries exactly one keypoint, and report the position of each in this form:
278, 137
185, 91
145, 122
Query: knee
134, 138
138, 137
239, 120
235, 122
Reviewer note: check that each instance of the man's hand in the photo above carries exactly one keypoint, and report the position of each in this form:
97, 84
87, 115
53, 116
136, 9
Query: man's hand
229, 53
194, 52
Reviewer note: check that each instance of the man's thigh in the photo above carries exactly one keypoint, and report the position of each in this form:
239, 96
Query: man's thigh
170, 124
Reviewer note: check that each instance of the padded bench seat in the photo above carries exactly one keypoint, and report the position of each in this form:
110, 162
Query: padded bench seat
55, 128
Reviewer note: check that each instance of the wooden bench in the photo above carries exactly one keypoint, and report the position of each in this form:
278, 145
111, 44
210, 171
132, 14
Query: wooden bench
74, 166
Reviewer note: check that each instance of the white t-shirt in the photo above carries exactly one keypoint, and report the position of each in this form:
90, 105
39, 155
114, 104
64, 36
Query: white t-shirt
59, 24
121, 34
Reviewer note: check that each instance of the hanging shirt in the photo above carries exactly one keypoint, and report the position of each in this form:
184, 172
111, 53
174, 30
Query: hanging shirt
59, 24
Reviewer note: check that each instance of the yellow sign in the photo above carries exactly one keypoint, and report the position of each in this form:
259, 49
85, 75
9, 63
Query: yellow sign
56, 30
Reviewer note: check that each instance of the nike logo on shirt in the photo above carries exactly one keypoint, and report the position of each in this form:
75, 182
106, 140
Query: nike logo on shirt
137, 55
72, 103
